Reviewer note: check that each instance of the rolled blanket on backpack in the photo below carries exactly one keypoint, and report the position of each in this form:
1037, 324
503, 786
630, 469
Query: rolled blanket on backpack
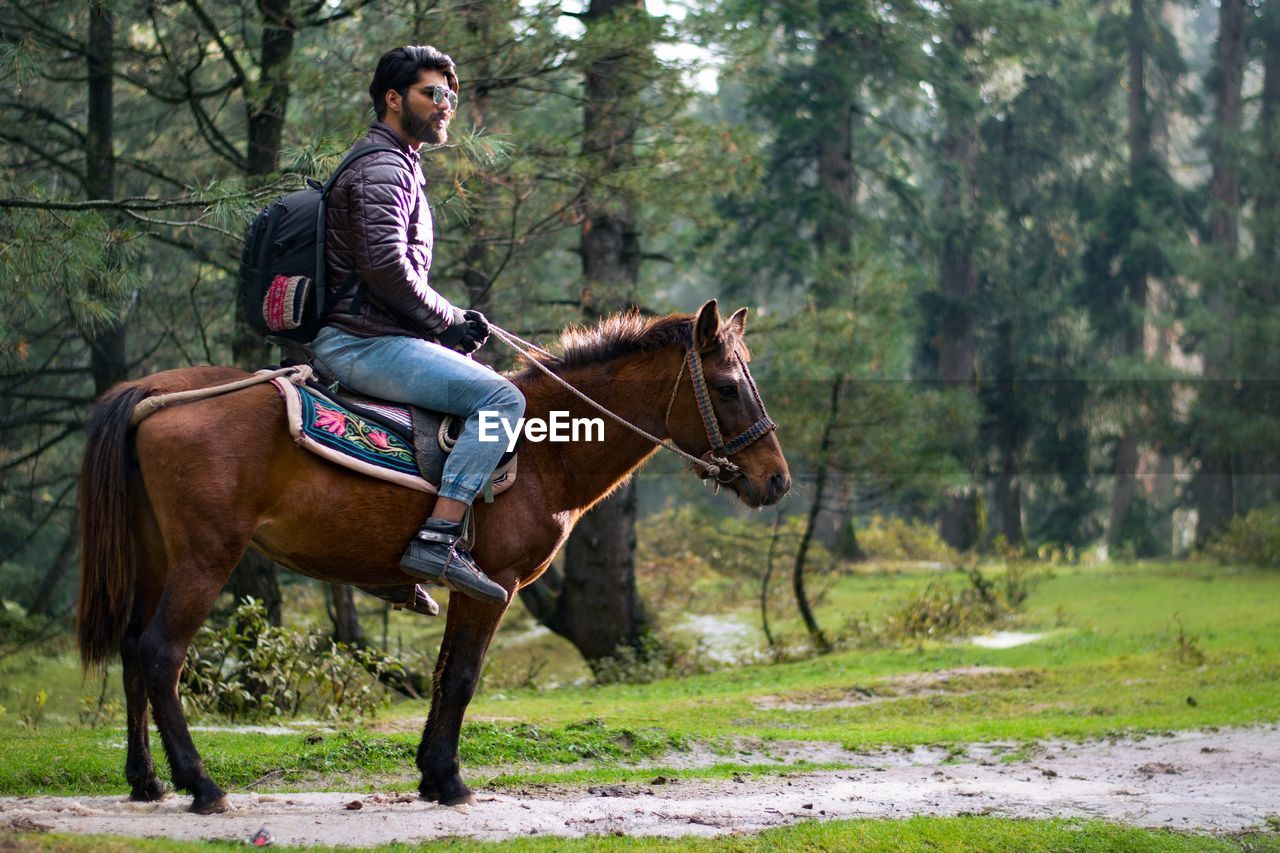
284, 307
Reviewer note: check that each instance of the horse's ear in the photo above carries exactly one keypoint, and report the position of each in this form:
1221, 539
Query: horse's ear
706, 329
738, 322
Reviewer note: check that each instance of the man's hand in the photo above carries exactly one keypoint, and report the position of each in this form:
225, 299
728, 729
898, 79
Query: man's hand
467, 333
479, 326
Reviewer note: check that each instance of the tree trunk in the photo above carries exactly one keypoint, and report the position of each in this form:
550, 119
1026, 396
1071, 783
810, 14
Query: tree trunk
598, 608
1214, 489
1008, 495
958, 273
958, 279
1267, 219
255, 575
107, 343
1125, 461
265, 106
594, 604
343, 615
1264, 283
768, 578
834, 88
835, 80
478, 258
825, 446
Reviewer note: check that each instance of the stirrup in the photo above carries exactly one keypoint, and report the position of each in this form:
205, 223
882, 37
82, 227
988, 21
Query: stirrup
410, 597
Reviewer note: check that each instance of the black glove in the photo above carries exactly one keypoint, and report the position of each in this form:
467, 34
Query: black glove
479, 326
460, 334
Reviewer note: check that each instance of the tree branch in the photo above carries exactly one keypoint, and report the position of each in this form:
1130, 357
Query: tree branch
40, 448
336, 16
127, 204
239, 77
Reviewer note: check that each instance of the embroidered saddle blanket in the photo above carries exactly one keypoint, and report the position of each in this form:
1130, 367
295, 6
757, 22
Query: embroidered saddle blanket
399, 444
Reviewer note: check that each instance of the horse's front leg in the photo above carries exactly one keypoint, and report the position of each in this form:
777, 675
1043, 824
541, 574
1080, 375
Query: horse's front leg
471, 625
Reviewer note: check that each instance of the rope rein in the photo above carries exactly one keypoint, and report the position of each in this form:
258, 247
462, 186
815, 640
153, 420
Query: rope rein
711, 469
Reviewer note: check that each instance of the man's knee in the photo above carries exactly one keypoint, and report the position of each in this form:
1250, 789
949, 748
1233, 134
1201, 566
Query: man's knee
507, 400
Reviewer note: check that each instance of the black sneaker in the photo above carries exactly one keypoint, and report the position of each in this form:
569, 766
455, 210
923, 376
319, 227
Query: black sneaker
436, 556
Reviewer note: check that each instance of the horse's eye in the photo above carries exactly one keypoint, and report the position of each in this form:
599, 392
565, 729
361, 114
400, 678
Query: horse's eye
728, 391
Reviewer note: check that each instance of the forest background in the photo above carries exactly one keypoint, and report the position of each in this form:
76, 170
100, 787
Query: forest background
1011, 265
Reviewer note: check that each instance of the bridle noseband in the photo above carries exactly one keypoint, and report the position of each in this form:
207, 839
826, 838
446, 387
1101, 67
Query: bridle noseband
720, 468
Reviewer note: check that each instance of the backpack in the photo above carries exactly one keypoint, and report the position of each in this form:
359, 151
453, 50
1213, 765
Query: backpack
281, 283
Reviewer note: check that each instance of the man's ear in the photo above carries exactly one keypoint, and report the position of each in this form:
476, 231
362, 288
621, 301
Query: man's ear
706, 329
738, 322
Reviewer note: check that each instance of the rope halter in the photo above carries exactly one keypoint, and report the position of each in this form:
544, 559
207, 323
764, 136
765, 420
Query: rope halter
718, 465
714, 464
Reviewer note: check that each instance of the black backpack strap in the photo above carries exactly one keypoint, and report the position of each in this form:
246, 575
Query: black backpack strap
321, 290
351, 157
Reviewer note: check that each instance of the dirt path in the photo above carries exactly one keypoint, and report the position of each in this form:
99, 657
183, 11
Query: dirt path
1204, 781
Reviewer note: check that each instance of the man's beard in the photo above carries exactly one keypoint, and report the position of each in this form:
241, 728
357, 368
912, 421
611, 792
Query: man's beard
424, 128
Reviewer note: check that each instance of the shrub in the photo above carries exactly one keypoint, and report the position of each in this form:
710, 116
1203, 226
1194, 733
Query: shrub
687, 559
19, 629
657, 657
899, 539
943, 610
1253, 540
249, 669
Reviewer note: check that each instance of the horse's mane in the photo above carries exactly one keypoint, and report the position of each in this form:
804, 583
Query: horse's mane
619, 335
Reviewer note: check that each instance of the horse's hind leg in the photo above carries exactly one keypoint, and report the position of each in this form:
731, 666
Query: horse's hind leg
139, 767
470, 627
185, 604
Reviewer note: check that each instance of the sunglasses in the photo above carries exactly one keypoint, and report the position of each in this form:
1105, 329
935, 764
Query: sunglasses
439, 94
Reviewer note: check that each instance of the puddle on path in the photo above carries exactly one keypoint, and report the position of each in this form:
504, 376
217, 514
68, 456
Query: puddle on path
1006, 639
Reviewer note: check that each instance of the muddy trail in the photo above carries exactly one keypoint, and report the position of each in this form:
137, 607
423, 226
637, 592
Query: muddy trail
1207, 781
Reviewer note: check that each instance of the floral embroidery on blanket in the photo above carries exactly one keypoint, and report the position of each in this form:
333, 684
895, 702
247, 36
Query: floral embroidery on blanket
359, 436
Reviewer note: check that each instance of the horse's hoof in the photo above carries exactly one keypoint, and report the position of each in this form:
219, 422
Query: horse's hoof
152, 792
464, 800
457, 794
215, 806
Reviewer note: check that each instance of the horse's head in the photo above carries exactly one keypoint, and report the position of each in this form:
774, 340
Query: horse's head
724, 417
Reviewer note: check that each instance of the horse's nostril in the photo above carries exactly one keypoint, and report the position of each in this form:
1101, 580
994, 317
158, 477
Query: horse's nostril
778, 486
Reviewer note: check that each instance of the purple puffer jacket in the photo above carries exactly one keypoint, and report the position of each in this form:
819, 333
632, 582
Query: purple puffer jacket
378, 225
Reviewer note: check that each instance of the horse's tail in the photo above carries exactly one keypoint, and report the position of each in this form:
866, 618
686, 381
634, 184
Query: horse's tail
107, 570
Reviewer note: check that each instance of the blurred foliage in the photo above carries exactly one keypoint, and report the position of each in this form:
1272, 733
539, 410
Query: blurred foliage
903, 539
247, 670
965, 602
1251, 540
19, 629
657, 657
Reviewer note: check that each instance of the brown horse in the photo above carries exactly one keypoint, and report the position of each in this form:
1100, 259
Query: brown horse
168, 508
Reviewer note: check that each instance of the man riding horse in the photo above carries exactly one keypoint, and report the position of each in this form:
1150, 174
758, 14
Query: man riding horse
167, 453
392, 335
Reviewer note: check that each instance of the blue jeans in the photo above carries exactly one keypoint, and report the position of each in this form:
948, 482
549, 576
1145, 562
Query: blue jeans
424, 374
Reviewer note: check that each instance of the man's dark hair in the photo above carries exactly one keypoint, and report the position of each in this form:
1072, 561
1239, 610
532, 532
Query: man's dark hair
400, 68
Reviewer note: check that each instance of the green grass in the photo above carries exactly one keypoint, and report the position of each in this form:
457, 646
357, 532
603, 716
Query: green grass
1112, 666
1112, 662
78, 761
921, 833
